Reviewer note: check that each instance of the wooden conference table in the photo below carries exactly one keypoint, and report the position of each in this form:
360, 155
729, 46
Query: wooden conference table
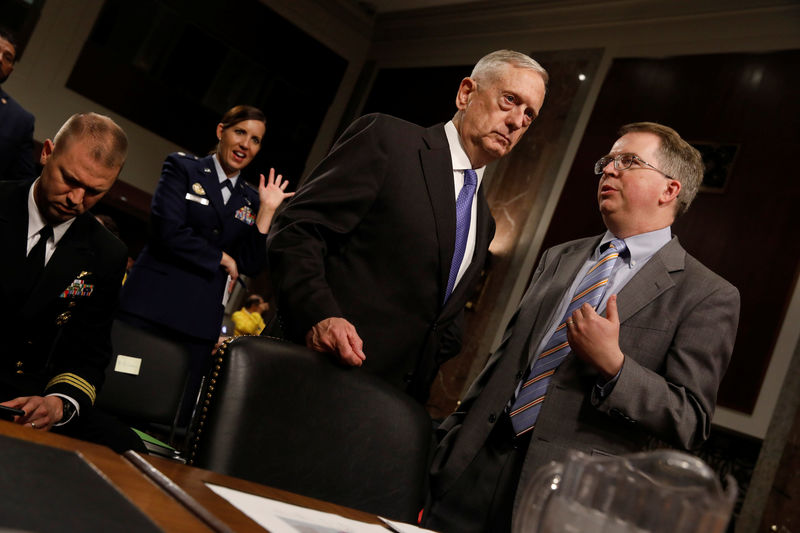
160, 506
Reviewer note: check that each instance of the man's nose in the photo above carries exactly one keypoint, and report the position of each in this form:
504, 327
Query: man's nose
75, 196
516, 118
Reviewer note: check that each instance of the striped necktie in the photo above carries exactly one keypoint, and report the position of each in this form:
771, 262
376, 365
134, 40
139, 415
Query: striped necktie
525, 408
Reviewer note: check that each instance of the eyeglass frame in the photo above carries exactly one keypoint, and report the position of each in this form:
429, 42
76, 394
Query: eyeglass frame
606, 159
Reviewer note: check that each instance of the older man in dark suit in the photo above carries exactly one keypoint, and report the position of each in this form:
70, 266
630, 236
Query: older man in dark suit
374, 257
16, 124
619, 344
60, 280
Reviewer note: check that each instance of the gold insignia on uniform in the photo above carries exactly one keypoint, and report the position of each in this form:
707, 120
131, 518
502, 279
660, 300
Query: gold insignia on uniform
198, 189
83, 274
63, 318
3, 100
207, 170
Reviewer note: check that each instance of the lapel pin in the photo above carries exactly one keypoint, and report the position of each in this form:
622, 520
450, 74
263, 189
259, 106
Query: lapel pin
198, 189
83, 274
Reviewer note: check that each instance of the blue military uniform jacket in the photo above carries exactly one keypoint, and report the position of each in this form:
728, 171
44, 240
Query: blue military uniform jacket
177, 280
16, 140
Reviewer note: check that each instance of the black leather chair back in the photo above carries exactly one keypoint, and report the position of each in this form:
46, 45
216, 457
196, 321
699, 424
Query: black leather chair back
154, 394
285, 416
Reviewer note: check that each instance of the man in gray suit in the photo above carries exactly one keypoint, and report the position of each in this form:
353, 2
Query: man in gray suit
640, 364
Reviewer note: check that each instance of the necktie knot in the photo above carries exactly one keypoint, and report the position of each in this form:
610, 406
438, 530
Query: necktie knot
617, 245
45, 233
470, 178
226, 184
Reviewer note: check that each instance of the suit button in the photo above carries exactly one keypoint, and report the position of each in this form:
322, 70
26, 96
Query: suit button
215, 231
408, 377
519, 375
492, 418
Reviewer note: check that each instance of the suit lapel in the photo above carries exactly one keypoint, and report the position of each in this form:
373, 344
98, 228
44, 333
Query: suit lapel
549, 296
652, 280
437, 170
207, 177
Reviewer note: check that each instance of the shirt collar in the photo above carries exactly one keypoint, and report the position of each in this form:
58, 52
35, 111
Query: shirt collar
221, 173
36, 221
641, 247
458, 156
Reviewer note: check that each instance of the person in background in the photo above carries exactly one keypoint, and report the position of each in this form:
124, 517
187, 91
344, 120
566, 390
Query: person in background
618, 345
248, 319
16, 124
207, 225
375, 257
60, 280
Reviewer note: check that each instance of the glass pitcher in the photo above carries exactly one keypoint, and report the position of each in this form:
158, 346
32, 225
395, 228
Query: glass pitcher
662, 491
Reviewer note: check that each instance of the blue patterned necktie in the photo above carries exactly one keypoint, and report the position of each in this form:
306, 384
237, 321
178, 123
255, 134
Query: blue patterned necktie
463, 215
525, 409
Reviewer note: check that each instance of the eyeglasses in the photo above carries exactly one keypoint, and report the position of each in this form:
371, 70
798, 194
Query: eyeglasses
623, 162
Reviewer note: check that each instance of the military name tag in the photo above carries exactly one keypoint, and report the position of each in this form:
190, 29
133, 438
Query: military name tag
194, 198
245, 214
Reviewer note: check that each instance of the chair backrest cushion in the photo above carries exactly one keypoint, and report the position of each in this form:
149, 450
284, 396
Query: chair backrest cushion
152, 393
286, 416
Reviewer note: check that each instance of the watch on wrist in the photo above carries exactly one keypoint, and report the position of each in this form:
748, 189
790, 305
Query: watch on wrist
67, 410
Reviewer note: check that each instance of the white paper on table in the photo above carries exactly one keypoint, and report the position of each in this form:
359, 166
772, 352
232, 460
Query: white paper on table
280, 517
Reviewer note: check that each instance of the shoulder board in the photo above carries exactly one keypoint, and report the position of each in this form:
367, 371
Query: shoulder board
187, 156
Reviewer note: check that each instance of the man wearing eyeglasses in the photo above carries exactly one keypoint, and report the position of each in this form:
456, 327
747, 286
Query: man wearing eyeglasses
618, 345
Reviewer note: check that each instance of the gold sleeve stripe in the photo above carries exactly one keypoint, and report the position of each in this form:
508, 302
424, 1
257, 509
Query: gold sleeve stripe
77, 382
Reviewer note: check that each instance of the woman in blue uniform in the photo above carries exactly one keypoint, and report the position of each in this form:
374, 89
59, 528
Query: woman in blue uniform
206, 224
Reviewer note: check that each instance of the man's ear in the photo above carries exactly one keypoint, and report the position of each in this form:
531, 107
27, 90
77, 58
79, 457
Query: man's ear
47, 151
465, 90
670, 192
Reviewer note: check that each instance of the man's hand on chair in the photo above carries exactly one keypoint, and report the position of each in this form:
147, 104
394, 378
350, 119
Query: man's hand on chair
337, 335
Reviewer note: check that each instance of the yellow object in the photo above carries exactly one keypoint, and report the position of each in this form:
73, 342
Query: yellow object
247, 323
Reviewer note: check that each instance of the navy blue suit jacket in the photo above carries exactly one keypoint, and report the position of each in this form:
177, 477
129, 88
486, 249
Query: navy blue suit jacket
177, 280
56, 340
16, 140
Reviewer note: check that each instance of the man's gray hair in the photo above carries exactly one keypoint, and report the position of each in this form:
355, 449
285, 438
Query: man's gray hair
490, 65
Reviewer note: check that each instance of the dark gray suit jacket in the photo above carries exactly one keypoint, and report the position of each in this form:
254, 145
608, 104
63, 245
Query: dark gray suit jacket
370, 237
678, 326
